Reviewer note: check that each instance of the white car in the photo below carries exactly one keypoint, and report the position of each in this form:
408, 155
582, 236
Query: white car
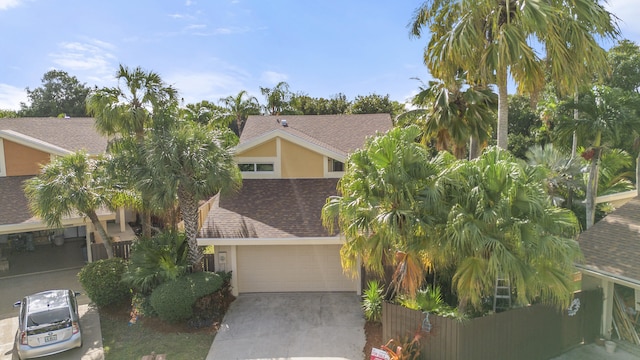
48, 324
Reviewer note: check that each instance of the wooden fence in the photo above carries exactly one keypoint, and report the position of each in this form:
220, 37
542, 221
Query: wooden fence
535, 332
122, 249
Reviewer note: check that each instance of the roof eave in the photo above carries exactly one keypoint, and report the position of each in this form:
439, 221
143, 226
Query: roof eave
325, 240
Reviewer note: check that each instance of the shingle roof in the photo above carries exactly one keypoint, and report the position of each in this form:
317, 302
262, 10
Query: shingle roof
271, 208
342, 132
612, 245
14, 209
70, 134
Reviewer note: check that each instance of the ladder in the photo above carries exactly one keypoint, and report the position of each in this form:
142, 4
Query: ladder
502, 294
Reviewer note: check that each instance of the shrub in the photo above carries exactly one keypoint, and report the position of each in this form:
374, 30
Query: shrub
372, 301
173, 300
102, 281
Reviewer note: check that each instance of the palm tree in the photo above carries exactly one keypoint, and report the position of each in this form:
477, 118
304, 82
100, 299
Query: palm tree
493, 39
386, 205
278, 99
502, 224
605, 113
127, 110
74, 184
561, 172
204, 113
239, 107
453, 116
193, 163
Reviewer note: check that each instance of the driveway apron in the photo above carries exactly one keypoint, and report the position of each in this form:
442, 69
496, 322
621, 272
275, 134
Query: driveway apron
291, 326
14, 288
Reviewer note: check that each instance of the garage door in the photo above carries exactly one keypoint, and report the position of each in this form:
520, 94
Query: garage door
289, 268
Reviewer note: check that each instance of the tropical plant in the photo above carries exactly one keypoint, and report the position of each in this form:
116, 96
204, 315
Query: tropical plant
605, 114
156, 260
126, 110
205, 113
502, 224
494, 40
453, 116
102, 281
372, 300
193, 163
406, 349
71, 185
278, 99
562, 174
239, 108
427, 299
387, 206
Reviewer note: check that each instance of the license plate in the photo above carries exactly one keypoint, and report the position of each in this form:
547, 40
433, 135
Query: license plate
50, 338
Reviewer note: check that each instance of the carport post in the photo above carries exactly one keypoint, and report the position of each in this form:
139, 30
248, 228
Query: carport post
88, 240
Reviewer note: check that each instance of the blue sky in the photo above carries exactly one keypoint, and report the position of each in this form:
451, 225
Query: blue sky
210, 49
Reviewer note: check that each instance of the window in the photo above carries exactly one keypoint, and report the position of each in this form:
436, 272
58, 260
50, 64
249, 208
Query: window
256, 167
335, 165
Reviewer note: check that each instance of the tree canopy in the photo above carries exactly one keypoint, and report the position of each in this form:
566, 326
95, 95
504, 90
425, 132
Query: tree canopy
59, 95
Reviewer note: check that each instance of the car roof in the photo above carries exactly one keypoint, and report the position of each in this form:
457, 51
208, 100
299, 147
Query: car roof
51, 299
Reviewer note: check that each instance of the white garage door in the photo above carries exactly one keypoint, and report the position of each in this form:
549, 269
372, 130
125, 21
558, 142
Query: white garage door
291, 268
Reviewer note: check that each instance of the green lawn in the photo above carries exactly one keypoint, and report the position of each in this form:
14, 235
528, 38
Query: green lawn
122, 341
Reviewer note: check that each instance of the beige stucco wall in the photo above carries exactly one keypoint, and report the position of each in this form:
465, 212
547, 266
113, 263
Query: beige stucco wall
300, 162
23, 160
267, 149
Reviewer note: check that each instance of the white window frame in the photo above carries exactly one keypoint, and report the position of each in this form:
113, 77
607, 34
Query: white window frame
259, 174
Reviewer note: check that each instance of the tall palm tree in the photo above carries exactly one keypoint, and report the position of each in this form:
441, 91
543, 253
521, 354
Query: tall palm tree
194, 163
240, 107
385, 208
494, 39
127, 109
502, 224
605, 113
278, 99
453, 116
74, 184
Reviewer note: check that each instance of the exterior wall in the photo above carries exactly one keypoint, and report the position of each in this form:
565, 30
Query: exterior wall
267, 149
299, 162
23, 160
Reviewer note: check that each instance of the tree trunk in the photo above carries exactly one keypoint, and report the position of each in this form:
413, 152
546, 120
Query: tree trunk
189, 211
474, 148
106, 240
592, 183
146, 223
503, 109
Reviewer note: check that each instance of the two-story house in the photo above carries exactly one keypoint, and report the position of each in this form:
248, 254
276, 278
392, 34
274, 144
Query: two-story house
270, 233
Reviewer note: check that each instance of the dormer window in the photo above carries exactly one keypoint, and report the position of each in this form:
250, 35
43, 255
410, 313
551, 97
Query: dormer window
256, 167
335, 165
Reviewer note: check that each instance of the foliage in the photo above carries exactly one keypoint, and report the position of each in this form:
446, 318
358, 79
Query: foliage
6, 113
238, 108
493, 42
624, 59
278, 99
306, 105
405, 349
205, 113
372, 301
102, 281
427, 299
376, 104
562, 175
71, 185
156, 260
60, 93
173, 300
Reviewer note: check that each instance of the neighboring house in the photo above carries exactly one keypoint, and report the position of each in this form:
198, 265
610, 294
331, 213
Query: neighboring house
25, 145
611, 249
269, 233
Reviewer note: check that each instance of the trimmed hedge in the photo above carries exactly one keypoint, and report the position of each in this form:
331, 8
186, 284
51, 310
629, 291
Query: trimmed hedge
173, 300
102, 281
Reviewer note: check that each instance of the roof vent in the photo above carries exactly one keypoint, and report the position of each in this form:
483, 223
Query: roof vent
284, 122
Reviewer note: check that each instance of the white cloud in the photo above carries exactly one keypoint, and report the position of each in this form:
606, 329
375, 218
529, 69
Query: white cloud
92, 55
11, 96
628, 11
195, 87
8, 4
273, 78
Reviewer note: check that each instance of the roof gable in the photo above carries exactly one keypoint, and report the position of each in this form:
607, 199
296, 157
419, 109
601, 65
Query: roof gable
336, 135
612, 246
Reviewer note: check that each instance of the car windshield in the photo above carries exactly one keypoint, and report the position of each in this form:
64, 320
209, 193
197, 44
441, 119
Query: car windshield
52, 316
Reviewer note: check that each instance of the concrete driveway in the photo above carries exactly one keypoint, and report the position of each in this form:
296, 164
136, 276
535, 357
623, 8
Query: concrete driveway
291, 326
13, 288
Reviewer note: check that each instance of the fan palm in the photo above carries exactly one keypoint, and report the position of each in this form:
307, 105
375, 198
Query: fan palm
74, 184
239, 107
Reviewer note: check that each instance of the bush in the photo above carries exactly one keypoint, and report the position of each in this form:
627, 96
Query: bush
372, 301
102, 281
173, 300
